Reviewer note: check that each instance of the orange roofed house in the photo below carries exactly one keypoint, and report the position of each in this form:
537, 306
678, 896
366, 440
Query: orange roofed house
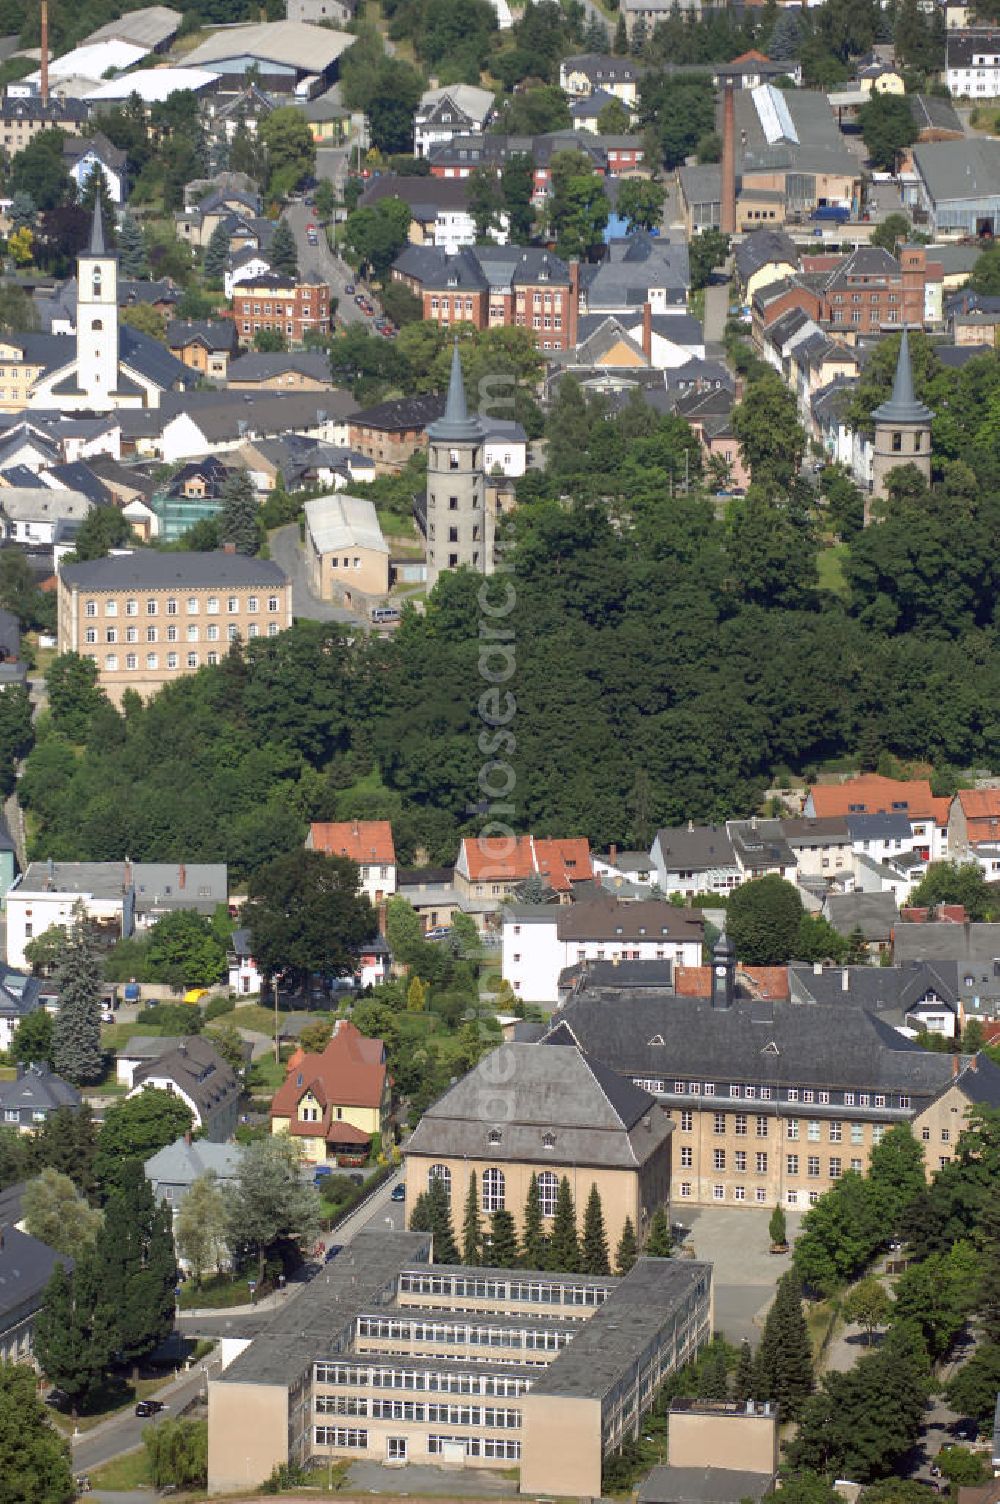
367, 842
871, 794
974, 829
490, 869
335, 1103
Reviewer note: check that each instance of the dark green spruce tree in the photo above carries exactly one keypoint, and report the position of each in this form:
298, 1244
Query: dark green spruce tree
743, 1380
216, 253
628, 1249
594, 1247
564, 1244
533, 1249
75, 1330
135, 1253
76, 1035
783, 1372
239, 517
659, 1240
502, 1252
472, 1231
445, 1248
131, 247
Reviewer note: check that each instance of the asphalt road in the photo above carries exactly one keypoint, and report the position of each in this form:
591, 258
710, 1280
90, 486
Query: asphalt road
321, 259
124, 1433
286, 550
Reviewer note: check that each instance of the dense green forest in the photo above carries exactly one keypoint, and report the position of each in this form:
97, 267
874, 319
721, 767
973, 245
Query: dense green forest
667, 662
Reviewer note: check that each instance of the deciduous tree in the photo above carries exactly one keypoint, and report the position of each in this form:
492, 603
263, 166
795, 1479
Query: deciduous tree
269, 1200
200, 1226
762, 921
136, 1129
34, 1459
869, 1304
306, 915
55, 1212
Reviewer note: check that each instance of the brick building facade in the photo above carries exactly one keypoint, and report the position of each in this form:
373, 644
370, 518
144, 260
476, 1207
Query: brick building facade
283, 305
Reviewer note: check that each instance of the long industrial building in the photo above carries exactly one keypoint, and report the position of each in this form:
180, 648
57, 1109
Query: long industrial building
388, 1357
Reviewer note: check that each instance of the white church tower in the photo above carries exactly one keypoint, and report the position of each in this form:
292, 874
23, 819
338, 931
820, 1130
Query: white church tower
97, 318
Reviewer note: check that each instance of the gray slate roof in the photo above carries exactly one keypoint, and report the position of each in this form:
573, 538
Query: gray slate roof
591, 1113
874, 914
37, 1089
26, 1266
197, 1069
262, 366
146, 569
811, 1046
693, 848
762, 247
959, 170
181, 1163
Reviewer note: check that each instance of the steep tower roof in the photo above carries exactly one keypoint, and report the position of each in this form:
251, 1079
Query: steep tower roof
98, 247
903, 406
457, 426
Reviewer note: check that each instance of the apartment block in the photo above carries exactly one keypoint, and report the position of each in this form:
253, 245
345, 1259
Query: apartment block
145, 618
283, 305
390, 1358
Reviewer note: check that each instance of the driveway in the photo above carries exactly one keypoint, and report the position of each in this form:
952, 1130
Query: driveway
745, 1272
286, 550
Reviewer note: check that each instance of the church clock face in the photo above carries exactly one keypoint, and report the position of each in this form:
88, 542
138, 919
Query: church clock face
720, 970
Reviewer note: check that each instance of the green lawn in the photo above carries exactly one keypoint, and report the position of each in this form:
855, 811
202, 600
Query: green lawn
260, 1020
123, 1473
218, 1291
266, 1074
830, 568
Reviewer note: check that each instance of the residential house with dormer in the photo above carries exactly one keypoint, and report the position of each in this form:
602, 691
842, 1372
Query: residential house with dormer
457, 110
336, 1105
195, 1072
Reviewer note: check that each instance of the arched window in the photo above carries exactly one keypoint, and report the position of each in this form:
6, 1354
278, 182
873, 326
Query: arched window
97, 282
548, 1190
97, 325
442, 1173
494, 1186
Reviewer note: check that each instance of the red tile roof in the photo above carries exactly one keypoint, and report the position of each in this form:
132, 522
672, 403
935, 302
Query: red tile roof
872, 794
560, 862
981, 808
362, 840
349, 1073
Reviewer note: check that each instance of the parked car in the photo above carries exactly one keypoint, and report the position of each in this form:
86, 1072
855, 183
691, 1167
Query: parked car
398, 1192
332, 1251
350, 289
148, 1407
320, 1173
438, 932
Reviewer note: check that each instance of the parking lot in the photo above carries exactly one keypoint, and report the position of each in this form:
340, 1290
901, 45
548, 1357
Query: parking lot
735, 1241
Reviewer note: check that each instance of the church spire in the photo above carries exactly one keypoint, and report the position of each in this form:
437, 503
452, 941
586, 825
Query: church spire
903, 406
456, 426
97, 247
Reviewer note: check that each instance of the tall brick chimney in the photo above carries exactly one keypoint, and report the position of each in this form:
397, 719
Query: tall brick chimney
727, 220
44, 84
647, 330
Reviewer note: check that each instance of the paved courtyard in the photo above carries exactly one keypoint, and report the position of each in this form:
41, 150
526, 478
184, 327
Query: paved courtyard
419, 1478
735, 1241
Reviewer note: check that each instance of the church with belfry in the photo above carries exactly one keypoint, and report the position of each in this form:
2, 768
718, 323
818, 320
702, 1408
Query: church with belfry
115, 366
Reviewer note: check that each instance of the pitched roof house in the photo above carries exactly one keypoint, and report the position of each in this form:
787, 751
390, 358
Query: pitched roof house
367, 842
974, 828
492, 867
33, 1096
335, 1103
197, 1073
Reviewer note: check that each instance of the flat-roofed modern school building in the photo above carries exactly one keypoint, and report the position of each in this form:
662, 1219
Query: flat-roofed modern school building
388, 1357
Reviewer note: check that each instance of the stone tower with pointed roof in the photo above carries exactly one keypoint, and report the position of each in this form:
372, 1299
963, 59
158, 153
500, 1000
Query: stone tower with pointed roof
902, 427
97, 317
456, 486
